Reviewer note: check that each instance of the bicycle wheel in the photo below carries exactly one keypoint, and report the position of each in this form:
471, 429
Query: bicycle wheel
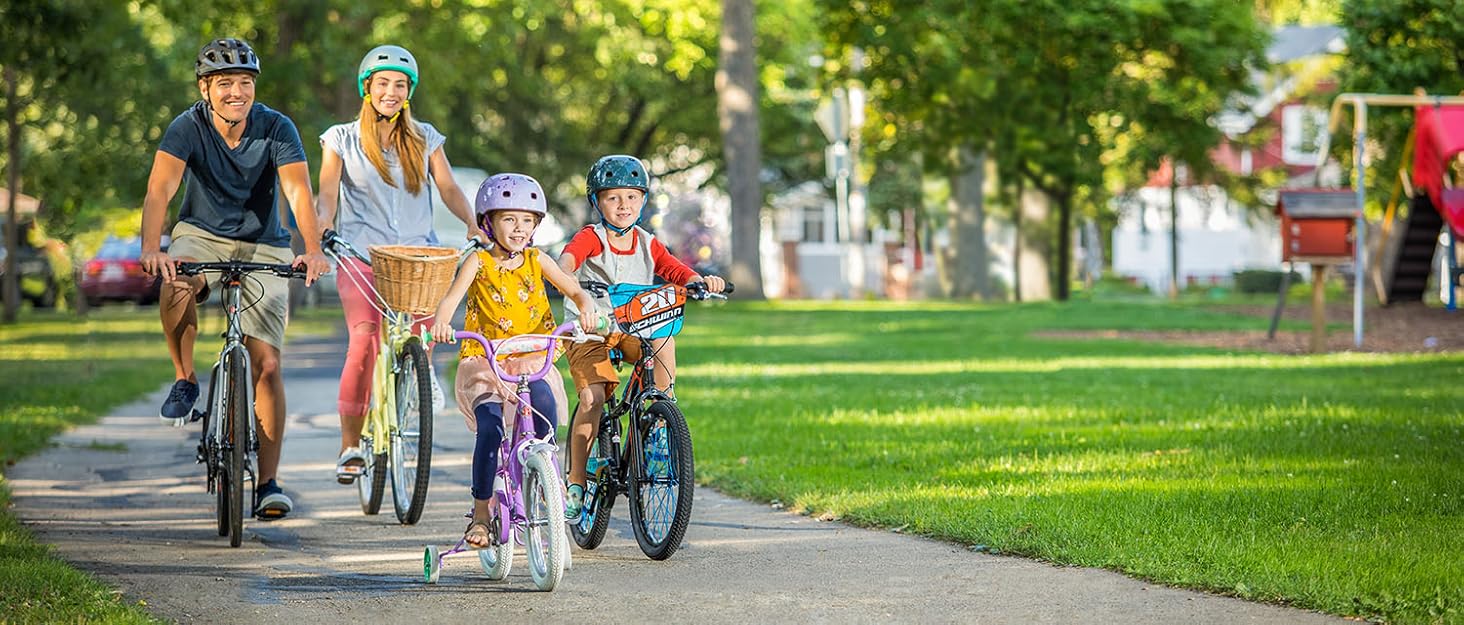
411, 443
372, 482
236, 416
544, 516
590, 529
663, 480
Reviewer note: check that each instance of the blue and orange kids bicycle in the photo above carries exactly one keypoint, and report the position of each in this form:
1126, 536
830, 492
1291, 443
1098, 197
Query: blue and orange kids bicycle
654, 468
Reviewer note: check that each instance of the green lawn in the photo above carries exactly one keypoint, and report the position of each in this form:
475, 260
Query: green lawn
1330, 482
57, 371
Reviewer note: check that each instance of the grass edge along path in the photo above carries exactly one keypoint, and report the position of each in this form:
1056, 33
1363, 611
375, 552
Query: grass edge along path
58, 371
1327, 482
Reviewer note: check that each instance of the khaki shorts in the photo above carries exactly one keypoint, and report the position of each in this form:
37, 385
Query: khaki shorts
269, 294
589, 362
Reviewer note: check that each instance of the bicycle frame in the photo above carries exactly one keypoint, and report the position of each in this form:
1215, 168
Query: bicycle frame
215, 431
522, 442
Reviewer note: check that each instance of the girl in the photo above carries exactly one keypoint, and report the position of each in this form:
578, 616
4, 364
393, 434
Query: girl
375, 168
506, 297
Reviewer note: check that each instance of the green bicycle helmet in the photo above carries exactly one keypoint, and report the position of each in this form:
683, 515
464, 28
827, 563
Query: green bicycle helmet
384, 58
617, 171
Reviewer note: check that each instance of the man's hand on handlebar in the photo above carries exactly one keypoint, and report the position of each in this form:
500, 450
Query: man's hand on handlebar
159, 264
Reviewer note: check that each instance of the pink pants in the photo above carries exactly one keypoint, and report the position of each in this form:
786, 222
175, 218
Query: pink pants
363, 323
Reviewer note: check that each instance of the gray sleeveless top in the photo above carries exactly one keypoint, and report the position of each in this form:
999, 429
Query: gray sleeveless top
612, 268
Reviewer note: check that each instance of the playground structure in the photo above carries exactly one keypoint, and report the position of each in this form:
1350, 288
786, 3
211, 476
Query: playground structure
1404, 248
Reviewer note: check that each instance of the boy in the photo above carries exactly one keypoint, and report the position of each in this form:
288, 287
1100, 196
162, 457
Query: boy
616, 250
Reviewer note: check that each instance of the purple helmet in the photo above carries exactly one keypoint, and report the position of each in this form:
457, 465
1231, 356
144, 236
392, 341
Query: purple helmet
510, 192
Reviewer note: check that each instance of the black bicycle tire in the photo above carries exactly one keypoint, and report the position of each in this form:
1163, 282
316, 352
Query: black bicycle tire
374, 478
605, 498
237, 408
683, 464
412, 350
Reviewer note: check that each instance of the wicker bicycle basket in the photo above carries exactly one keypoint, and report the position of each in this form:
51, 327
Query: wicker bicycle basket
413, 278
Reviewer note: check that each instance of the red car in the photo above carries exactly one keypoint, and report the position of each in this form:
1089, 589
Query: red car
115, 274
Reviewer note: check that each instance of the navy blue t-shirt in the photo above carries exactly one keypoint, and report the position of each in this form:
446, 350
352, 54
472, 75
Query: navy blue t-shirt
231, 192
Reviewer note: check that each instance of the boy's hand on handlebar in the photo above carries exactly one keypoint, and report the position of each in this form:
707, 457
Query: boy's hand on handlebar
715, 284
442, 332
316, 265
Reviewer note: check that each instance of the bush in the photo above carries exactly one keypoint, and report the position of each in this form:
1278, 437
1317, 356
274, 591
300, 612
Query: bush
1261, 280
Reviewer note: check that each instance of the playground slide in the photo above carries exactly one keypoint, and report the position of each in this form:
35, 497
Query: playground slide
1440, 132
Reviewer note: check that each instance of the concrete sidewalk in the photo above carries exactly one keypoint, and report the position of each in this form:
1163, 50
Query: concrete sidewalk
140, 520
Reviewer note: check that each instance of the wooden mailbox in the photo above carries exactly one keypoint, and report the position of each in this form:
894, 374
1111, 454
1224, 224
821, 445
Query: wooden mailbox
1317, 223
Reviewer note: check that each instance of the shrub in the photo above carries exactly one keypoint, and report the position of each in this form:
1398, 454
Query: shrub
1261, 280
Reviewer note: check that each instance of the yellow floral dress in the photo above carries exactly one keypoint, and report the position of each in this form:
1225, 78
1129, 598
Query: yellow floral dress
506, 302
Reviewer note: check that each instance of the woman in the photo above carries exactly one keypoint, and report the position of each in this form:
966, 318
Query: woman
375, 170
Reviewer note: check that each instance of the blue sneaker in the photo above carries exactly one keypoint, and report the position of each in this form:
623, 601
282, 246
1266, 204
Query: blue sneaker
178, 408
574, 502
271, 502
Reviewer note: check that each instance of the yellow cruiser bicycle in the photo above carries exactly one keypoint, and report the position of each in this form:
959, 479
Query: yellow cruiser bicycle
396, 439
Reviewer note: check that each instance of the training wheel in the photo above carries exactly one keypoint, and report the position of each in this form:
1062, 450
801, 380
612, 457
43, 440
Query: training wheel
431, 564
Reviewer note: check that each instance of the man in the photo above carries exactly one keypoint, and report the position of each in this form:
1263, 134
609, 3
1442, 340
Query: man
234, 152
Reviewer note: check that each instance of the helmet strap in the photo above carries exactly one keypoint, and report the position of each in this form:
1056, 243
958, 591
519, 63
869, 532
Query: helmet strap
208, 101
611, 227
493, 242
394, 116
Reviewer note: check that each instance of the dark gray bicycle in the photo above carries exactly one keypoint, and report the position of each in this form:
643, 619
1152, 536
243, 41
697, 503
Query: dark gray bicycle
228, 446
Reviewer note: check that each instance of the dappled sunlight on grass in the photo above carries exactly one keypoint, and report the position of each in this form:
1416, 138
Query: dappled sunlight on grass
1265, 476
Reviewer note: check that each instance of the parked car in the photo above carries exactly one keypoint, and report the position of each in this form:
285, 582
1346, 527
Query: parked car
38, 279
115, 274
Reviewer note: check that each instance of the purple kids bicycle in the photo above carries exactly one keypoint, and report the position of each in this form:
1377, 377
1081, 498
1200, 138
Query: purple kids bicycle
527, 487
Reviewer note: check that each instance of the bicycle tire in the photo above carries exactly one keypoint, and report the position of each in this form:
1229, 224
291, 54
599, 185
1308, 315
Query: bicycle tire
544, 543
237, 407
591, 536
659, 513
413, 434
372, 482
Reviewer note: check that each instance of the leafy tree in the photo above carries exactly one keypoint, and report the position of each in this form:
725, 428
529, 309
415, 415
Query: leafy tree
66, 133
1397, 47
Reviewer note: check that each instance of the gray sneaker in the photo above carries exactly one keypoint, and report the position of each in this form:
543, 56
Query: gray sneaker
178, 407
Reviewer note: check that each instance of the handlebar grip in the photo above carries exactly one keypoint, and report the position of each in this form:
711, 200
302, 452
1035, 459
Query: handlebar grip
729, 288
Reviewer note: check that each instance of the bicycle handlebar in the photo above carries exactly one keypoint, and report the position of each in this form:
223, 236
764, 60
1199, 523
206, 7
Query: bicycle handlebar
331, 240
241, 267
694, 290
565, 332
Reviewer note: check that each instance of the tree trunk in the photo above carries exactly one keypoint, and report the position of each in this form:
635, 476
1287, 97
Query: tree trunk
11, 283
737, 111
966, 267
1064, 244
1174, 230
1034, 244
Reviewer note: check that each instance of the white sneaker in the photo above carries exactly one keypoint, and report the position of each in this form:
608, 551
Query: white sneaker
439, 401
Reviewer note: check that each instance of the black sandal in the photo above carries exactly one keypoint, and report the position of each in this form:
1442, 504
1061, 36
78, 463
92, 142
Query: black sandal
487, 535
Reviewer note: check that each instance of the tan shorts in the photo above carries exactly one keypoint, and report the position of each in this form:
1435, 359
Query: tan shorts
589, 362
476, 383
269, 294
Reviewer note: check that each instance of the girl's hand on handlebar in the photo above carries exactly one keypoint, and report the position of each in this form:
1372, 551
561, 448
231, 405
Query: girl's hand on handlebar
442, 332
715, 284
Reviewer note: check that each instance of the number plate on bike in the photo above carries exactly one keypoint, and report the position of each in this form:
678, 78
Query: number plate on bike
651, 312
